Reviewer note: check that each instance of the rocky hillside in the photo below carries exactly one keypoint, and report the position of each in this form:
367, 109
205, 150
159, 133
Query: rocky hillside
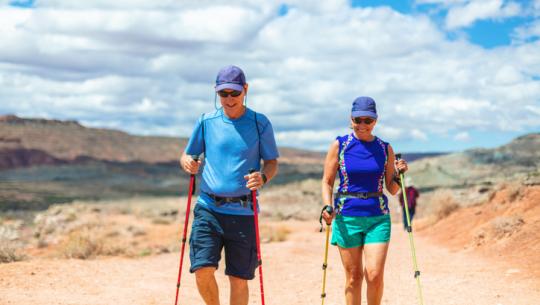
28, 142
44, 162
517, 159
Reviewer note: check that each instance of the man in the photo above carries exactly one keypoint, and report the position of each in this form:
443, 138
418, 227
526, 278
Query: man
234, 139
412, 196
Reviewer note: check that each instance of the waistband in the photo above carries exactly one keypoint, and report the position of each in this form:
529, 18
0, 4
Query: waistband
244, 200
361, 195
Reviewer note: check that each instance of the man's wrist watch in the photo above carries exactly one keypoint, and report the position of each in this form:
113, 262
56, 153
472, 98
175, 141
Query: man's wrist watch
264, 178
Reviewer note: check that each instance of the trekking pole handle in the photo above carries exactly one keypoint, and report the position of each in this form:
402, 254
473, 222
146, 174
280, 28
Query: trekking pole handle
196, 159
328, 210
398, 157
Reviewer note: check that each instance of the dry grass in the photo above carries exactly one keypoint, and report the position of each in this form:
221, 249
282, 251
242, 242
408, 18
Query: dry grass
504, 226
10, 252
10, 245
82, 245
274, 233
443, 203
497, 229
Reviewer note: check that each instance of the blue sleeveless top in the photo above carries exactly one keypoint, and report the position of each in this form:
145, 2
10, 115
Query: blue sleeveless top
361, 169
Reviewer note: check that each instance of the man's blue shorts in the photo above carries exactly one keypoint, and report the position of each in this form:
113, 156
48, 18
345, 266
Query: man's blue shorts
212, 231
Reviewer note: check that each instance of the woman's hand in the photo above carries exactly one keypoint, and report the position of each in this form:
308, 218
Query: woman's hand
328, 217
401, 166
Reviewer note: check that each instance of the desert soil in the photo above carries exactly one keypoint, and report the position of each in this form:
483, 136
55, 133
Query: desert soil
292, 275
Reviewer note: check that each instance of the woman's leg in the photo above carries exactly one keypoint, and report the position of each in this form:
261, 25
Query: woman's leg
375, 257
352, 262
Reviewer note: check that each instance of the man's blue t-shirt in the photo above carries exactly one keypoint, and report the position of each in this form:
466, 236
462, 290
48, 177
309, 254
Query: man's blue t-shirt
231, 147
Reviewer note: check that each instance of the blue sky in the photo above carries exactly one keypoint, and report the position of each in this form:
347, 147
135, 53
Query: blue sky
447, 75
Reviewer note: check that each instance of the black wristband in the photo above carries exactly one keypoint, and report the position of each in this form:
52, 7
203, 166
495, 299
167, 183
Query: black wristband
397, 179
264, 178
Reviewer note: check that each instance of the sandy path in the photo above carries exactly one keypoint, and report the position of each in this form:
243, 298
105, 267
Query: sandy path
292, 271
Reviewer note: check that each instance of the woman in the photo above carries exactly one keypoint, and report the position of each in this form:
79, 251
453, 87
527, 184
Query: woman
362, 220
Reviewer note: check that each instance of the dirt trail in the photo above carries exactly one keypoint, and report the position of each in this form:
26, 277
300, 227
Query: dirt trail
292, 271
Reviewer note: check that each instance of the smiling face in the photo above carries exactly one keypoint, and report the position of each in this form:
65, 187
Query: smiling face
233, 102
363, 126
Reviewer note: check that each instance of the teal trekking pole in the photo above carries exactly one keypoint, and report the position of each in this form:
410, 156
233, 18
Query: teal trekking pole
409, 230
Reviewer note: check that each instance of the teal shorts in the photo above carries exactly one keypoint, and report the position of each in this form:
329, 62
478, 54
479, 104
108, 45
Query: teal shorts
352, 232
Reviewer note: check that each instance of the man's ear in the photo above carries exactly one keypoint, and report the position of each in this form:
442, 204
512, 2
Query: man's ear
246, 87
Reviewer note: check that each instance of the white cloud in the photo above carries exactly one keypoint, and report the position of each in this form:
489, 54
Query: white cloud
149, 68
462, 136
530, 31
467, 13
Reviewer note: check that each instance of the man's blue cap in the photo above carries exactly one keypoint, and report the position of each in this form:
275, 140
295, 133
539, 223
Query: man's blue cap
230, 77
364, 106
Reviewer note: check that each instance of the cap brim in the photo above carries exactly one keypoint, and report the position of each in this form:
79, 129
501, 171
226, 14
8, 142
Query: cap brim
364, 113
231, 86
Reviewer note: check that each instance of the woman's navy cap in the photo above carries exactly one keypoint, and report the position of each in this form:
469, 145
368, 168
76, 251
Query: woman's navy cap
230, 77
364, 106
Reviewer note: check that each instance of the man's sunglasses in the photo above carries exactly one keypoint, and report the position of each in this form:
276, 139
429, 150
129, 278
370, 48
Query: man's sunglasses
233, 93
359, 120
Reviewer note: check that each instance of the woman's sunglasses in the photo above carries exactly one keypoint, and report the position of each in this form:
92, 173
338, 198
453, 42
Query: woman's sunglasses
233, 93
359, 120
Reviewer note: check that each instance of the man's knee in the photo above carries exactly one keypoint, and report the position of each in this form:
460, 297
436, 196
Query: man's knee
237, 282
205, 273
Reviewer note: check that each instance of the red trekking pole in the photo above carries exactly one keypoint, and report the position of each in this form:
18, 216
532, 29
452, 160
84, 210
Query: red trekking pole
257, 239
186, 221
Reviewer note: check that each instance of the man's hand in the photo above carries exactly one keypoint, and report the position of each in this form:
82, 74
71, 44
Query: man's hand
189, 164
254, 181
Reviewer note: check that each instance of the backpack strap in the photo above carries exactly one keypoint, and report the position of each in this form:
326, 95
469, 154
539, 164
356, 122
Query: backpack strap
203, 135
258, 134
256, 126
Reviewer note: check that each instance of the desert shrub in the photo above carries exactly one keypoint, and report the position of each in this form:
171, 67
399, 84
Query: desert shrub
504, 226
10, 246
10, 252
82, 244
274, 233
442, 204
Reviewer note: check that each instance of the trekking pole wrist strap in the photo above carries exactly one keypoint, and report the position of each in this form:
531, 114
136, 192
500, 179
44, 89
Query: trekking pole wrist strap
327, 208
396, 178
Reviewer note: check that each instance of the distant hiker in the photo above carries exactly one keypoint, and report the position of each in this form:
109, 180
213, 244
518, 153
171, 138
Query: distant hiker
362, 221
234, 139
412, 196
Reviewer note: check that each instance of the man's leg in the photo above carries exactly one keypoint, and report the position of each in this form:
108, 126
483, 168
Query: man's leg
411, 213
205, 252
207, 285
403, 213
239, 291
240, 256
